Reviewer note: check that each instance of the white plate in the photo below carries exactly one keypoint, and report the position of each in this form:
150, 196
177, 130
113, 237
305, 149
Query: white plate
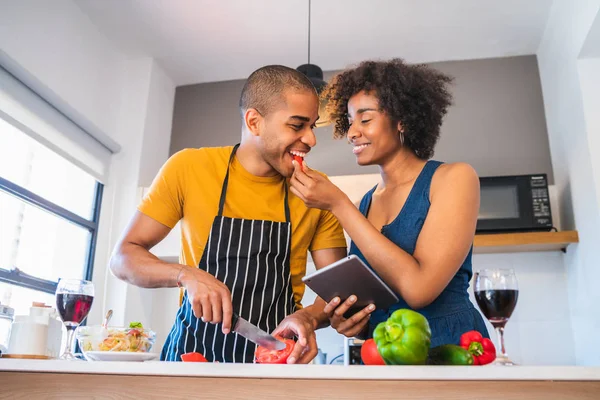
118, 356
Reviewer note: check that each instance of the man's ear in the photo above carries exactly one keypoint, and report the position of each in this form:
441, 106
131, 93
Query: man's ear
253, 121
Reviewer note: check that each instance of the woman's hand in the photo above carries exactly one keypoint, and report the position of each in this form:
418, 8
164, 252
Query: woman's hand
314, 189
352, 326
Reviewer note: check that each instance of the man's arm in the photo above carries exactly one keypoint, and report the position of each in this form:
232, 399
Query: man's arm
132, 262
332, 313
303, 323
322, 258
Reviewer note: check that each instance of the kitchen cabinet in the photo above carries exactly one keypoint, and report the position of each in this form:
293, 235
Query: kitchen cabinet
112, 380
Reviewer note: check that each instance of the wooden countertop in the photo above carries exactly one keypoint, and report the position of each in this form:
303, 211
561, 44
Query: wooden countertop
312, 371
40, 379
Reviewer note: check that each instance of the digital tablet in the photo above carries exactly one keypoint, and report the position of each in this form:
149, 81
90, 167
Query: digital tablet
350, 276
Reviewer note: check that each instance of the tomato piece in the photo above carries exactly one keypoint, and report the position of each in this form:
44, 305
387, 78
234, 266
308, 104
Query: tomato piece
369, 353
263, 355
193, 357
299, 160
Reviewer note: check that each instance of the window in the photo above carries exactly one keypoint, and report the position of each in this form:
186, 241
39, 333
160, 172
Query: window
49, 210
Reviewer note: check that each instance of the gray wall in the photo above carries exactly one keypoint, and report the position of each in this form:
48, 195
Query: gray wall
496, 124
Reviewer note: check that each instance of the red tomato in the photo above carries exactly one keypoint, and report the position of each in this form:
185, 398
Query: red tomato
299, 160
193, 357
265, 356
369, 353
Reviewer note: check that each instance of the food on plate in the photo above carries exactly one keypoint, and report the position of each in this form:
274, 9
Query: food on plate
262, 355
369, 353
193, 357
482, 349
449, 354
134, 338
403, 339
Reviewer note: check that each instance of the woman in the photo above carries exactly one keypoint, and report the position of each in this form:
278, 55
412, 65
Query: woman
416, 227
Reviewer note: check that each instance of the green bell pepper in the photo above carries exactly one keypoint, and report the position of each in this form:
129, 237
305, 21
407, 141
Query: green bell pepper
449, 354
403, 339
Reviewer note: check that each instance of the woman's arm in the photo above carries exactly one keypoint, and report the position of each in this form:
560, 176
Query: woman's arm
443, 244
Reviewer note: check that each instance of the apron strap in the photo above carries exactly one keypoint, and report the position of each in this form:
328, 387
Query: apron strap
287, 206
226, 183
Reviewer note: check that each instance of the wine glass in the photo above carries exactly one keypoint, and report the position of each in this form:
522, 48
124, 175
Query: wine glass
496, 292
74, 299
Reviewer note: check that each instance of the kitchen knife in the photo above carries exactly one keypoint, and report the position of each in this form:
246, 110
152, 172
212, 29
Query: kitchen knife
255, 334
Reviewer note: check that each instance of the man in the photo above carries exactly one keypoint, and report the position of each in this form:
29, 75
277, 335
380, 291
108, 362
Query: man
245, 236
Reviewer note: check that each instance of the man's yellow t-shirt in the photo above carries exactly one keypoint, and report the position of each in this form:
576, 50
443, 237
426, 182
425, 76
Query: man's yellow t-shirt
188, 188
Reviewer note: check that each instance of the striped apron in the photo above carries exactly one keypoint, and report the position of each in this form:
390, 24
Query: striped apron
252, 257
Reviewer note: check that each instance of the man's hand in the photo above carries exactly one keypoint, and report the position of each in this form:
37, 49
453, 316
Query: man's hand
209, 297
352, 326
302, 325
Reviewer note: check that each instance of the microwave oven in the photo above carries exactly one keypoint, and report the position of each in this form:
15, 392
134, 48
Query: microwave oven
518, 203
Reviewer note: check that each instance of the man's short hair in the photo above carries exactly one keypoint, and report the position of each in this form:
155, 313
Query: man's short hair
264, 88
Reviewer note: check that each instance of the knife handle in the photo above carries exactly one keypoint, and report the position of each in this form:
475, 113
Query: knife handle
234, 320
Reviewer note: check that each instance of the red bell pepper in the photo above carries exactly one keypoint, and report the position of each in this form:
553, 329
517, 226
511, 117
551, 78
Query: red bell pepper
482, 349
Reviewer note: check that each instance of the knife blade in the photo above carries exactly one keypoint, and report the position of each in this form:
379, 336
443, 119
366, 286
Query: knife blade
255, 334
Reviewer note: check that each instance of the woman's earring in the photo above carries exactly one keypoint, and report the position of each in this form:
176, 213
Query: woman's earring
401, 134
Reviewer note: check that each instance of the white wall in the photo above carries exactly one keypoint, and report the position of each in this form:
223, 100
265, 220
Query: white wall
126, 300
589, 78
147, 104
157, 130
591, 47
568, 26
539, 331
127, 99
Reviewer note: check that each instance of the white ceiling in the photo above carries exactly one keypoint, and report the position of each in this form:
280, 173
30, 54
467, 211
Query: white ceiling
215, 40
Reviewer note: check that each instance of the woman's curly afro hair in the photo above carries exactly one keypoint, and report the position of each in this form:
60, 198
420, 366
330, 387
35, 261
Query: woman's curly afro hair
417, 96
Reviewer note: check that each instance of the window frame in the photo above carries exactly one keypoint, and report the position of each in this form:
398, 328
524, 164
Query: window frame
16, 277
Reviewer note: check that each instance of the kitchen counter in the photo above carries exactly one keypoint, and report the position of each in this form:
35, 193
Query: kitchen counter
153, 379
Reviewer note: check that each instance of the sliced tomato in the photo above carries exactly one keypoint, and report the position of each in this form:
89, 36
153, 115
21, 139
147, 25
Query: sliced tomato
263, 355
193, 357
369, 353
299, 160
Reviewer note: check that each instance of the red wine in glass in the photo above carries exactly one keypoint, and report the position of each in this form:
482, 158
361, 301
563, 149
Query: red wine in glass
497, 304
73, 308
496, 292
74, 298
